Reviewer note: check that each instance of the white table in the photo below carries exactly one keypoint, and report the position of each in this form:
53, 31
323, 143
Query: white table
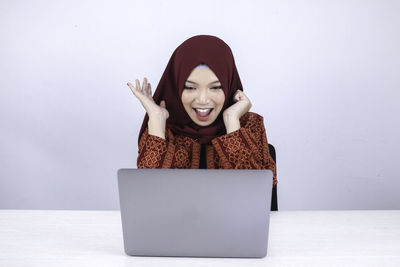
297, 238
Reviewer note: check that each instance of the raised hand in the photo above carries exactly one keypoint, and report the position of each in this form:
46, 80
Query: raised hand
158, 114
233, 113
145, 97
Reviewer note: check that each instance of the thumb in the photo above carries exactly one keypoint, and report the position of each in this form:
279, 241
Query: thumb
236, 96
162, 104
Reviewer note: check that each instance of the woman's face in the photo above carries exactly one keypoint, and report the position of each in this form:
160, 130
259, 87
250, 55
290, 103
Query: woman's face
202, 96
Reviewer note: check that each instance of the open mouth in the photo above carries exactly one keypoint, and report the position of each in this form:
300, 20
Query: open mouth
203, 113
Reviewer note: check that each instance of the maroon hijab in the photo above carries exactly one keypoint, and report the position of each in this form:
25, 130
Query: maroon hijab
217, 55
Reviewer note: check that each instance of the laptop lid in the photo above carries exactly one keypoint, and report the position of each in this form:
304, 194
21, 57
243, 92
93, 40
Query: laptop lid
195, 212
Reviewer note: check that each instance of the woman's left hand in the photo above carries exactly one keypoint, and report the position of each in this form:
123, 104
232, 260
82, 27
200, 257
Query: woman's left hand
232, 114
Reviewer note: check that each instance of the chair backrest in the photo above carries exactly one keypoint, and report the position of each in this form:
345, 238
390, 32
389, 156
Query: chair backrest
274, 200
272, 152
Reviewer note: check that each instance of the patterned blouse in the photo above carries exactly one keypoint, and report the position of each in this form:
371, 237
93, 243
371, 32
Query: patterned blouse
246, 148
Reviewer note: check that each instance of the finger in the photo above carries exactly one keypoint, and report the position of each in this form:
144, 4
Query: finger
150, 90
137, 85
236, 96
162, 104
144, 86
242, 96
133, 89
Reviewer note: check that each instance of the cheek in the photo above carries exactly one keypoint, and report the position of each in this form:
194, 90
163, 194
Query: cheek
219, 99
186, 99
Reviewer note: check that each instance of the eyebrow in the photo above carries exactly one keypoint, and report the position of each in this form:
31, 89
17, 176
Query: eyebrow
196, 83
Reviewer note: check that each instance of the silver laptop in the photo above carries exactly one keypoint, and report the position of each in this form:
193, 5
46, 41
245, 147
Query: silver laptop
195, 212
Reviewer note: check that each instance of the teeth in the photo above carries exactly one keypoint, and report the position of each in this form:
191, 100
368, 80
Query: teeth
203, 111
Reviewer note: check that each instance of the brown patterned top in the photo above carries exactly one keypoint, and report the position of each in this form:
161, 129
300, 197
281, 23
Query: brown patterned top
246, 148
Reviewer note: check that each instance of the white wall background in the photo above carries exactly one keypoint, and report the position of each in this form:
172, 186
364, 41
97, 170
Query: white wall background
324, 74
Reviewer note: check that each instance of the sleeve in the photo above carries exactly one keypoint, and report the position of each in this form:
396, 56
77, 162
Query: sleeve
246, 148
154, 151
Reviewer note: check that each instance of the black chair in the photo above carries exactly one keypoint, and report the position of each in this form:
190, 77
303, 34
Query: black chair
274, 199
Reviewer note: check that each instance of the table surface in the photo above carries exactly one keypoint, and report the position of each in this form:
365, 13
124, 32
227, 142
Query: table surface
297, 238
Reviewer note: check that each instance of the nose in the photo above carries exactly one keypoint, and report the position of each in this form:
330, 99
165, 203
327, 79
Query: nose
202, 97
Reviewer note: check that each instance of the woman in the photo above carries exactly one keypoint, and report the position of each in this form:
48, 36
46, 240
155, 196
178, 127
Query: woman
199, 115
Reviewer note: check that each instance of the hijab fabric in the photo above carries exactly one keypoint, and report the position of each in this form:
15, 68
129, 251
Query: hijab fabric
199, 49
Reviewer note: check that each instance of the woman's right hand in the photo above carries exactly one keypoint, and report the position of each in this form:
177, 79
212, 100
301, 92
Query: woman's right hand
158, 114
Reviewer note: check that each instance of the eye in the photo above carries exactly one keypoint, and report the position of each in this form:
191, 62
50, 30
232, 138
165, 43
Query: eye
216, 87
188, 88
